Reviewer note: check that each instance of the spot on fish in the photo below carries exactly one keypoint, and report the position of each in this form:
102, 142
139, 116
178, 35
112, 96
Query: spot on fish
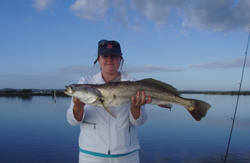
114, 95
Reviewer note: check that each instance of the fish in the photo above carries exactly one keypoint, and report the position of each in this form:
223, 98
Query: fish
118, 94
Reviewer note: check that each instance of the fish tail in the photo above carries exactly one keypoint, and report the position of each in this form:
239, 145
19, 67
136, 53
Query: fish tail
198, 109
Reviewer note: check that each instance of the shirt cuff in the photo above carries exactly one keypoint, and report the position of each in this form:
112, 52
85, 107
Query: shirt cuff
141, 120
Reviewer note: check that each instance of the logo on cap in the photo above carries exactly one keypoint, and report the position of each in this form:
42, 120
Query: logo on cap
109, 46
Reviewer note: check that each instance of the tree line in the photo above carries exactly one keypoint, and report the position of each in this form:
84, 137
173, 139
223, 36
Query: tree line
29, 92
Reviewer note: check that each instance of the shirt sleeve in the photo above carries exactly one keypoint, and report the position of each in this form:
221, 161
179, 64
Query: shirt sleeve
141, 120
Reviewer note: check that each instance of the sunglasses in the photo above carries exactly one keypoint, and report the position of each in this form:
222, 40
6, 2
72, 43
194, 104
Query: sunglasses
106, 42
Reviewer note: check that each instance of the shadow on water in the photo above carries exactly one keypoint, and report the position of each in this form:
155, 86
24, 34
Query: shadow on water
25, 98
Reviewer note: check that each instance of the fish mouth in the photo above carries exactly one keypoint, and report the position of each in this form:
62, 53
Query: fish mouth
68, 90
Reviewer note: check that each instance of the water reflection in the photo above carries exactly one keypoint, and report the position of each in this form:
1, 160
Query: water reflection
25, 98
8, 97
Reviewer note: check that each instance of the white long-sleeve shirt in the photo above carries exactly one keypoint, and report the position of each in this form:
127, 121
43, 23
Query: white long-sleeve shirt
102, 133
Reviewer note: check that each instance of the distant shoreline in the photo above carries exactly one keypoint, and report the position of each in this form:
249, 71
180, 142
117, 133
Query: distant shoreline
32, 94
62, 94
232, 93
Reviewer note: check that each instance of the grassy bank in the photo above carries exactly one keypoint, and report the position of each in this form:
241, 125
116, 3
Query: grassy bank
233, 93
29, 92
245, 93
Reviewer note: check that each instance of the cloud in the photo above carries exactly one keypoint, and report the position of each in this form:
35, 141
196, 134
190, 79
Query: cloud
137, 28
120, 12
223, 15
65, 75
109, 11
216, 15
90, 9
88, 70
157, 11
234, 63
150, 68
41, 5
30, 81
75, 69
28, 19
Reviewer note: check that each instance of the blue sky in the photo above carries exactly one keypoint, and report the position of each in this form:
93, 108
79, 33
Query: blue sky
192, 45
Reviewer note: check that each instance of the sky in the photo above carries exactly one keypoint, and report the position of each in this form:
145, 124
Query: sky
192, 45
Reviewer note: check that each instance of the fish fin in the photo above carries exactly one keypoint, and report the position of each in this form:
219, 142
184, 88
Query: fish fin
199, 109
161, 84
102, 101
168, 106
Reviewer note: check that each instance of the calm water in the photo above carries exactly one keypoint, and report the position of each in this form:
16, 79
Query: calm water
34, 130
